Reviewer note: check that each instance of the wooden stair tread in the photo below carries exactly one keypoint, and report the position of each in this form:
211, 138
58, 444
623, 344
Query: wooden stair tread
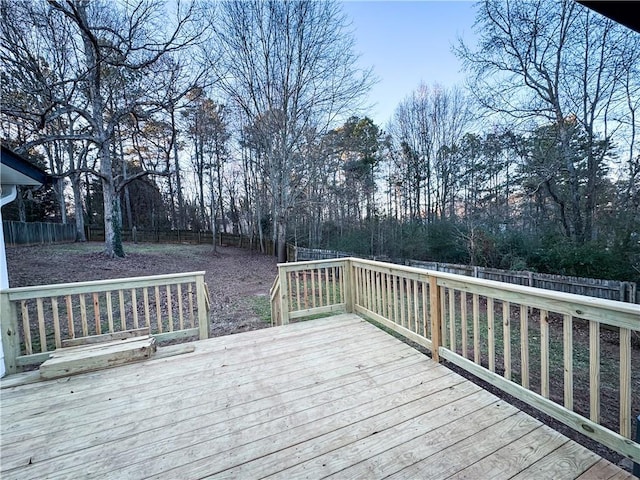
74, 360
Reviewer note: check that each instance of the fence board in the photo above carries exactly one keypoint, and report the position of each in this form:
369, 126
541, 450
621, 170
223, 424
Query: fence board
34, 233
592, 287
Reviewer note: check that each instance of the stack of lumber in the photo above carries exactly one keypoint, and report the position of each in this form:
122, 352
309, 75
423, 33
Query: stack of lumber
86, 355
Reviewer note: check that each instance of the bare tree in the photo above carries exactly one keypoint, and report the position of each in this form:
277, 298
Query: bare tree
428, 128
112, 72
559, 64
290, 67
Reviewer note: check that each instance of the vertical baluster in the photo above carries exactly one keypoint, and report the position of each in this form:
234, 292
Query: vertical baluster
491, 334
384, 295
367, 275
365, 297
476, 329
289, 277
372, 275
425, 312
123, 317
567, 331
452, 319
56, 322
159, 310
334, 273
506, 336
379, 302
145, 303
403, 295
180, 312
443, 311
625, 382
305, 281
109, 311
41, 327
370, 289
594, 370
544, 353
356, 282
83, 315
191, 315
328, 288
26, 328
463, 323
134, 307
298, 304
72, 331
96, 313
408, 296
416, 306
524, 345
169, 308
396, 281
313, 289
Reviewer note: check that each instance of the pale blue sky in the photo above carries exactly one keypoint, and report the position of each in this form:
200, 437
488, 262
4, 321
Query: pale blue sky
409, 42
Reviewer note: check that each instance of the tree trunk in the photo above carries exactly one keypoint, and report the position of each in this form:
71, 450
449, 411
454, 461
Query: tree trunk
22, 212
78, 207
282, 239
181, 220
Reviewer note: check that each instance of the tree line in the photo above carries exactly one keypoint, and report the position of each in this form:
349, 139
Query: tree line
248, 117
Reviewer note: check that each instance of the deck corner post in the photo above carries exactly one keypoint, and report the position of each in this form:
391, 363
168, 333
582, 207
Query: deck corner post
348, 285
203, 313
284, 298
436, 317
10, 333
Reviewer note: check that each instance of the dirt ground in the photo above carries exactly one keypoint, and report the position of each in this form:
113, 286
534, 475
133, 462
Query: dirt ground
238, 280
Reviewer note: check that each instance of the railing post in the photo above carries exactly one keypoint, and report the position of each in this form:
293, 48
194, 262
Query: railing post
348, 285
203, 313
436, 317
284, 298
9, 332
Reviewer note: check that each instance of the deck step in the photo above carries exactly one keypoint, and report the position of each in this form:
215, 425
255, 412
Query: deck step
87, 358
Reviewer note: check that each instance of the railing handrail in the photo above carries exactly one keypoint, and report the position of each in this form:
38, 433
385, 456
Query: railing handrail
630, 312
50, 290
307, 263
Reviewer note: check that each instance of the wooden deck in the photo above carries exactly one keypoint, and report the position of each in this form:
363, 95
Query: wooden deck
334, 397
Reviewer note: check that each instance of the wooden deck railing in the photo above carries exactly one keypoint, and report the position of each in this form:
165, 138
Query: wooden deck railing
515, 337
309, 288
36, 320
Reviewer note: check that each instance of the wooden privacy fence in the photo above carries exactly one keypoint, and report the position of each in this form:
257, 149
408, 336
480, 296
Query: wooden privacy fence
36, 320
96, 234
593, 287
517, 338
22, 233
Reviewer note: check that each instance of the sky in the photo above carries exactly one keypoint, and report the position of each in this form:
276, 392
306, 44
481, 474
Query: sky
408, 43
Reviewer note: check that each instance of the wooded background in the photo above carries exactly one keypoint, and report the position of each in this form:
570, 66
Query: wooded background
203, 118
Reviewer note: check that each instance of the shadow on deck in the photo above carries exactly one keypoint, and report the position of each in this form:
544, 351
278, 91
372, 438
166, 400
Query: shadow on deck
329, 397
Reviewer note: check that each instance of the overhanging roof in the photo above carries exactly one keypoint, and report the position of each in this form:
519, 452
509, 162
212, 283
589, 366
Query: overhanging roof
15, 170
624, 13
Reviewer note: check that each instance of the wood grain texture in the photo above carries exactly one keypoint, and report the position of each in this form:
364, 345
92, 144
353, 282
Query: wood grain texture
328, 397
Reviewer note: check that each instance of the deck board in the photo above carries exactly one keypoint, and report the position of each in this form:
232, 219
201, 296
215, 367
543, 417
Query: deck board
332, 397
